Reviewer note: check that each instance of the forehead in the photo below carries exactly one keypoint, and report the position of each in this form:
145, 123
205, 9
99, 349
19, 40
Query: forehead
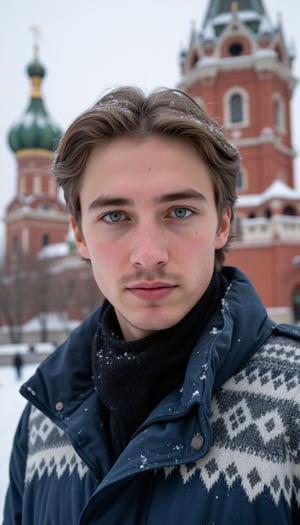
152, 151
152, 165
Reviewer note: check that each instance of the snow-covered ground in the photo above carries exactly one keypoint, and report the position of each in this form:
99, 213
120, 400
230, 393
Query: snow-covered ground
11, 406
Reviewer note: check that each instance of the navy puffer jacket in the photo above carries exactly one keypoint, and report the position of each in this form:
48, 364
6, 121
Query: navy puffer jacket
224, 449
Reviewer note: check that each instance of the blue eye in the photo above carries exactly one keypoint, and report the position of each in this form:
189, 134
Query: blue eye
115, 216
181, 213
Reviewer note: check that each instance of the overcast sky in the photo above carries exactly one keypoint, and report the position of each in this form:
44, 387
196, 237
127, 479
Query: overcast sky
92, 45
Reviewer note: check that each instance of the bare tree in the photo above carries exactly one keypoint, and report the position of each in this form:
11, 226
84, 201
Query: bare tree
32, 287
14, 295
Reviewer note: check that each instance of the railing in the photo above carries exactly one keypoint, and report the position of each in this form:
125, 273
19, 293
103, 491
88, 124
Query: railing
261, 230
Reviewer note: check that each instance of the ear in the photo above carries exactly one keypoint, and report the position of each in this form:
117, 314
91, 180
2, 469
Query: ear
79, 239
223, 230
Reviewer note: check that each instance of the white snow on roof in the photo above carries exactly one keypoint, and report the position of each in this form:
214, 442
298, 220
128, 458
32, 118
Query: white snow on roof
277, 190
244, 16
265, 53
50, 251
208, 33
265, 26
209, 61
218, 61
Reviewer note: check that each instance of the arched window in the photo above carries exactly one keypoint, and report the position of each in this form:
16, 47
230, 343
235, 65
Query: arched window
15, 244
241, 183
236, 108
276, 112
289, 210
268, 213
45, 239
279, 113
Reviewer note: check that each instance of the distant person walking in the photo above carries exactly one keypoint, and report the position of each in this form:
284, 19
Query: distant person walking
31, 354
18, 364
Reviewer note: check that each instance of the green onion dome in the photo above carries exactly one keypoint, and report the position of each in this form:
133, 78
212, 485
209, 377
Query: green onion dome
35, 130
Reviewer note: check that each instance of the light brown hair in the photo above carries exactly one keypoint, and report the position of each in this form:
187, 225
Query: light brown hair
128, 112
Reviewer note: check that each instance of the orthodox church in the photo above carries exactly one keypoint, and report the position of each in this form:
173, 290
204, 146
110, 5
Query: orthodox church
36, 216
48, 287
240, 68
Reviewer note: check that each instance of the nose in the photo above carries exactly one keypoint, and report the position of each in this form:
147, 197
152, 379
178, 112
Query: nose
149, 247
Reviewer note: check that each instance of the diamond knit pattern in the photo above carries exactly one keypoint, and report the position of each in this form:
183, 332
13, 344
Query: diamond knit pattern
256, 427
49, 450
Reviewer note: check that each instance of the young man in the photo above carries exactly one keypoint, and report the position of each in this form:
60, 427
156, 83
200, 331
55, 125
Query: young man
177, 402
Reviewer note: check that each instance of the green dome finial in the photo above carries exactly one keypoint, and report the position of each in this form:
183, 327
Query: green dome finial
36, 70
35, 130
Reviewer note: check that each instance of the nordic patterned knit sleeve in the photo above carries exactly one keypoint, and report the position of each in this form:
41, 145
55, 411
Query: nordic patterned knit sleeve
17, 466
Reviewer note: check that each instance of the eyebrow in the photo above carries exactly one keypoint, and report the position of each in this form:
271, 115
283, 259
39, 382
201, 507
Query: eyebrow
104, 201
181, 195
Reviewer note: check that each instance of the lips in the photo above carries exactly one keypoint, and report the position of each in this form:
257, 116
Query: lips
151, 291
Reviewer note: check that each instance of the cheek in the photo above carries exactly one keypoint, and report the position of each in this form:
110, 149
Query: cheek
197, 251
102, 275
99, 250
105, 261
204, 240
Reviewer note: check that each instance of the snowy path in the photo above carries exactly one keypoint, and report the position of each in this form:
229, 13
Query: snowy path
11, 406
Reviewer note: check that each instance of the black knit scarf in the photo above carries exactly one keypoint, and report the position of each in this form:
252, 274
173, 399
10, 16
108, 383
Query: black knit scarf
130, 378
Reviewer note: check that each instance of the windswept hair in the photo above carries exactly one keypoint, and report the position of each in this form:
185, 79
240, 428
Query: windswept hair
128, 112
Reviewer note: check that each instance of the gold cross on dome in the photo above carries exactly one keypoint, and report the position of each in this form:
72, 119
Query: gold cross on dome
37, 35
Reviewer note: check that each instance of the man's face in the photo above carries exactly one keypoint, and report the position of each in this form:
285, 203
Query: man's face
150, 229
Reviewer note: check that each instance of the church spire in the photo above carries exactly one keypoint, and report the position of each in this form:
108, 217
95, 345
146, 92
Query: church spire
223, 7
35, 70
35, 129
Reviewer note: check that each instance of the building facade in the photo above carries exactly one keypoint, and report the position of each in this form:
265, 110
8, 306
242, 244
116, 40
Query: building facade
45, 287
239, 66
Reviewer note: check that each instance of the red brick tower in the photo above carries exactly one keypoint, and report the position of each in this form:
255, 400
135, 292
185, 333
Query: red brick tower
240, 68
36, 216
44, 284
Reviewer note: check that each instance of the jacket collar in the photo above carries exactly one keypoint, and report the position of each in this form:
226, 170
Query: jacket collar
232, 335
230, 338
166, 437
65, 376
